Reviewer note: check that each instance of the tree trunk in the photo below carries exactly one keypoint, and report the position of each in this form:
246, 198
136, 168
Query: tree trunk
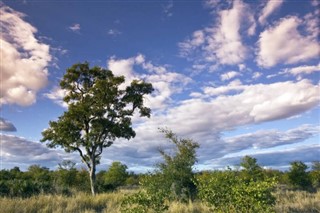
93, 178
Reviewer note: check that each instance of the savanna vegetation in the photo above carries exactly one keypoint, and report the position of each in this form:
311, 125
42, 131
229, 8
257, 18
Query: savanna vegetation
100, 111
172, 187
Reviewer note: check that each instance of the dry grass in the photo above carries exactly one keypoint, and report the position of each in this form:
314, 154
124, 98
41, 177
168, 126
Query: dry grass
191, 207
297, 202
109, 202
287, 202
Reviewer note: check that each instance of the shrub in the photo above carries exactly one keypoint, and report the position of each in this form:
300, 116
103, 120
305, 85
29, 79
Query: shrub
227, 192
172, 181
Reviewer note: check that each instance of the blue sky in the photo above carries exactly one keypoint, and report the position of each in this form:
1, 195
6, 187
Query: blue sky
239, 77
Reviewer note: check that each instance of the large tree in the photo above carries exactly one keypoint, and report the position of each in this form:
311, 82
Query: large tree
100, 109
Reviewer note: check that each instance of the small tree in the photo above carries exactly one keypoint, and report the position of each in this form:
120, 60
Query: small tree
65, 176
315, 174
298, 175
251, 168
177, 169
99, 111
116, 174
173, 180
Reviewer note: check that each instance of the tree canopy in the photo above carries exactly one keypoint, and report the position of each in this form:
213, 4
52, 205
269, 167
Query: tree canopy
99, 111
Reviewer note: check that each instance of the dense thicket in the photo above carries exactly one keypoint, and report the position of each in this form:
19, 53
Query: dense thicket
69, 180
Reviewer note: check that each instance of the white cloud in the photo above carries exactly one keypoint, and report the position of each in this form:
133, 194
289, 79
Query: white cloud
21, 152
256, 75
189, 45
223, 42
6, 126
75, 27
271, 138
270, 7
229, 75
277, 159
24, 59
167, 9
211, 3
315, 3
165, 83
122, 67
303, 70
242, 67
284, 43
262, 102
205, 117
114, 32
57, 94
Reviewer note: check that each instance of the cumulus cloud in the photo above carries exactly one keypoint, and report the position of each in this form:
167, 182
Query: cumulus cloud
229, 75
277, 159
223, 42
303, 70
218, 109
285, 43
21, 152
215, 150
234, 105
57, 94
165, 82
6, 126
205, 118
167, 9
75, 27
114, 32
190, 45
24, 59
256, 75
270, 138
270, 7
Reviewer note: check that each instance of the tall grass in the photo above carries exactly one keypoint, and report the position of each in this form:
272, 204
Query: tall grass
287, 202
108, 202
297, 202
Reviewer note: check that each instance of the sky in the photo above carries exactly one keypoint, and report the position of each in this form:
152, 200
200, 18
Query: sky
238, 77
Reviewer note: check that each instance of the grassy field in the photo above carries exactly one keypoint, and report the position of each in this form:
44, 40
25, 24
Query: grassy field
287, 201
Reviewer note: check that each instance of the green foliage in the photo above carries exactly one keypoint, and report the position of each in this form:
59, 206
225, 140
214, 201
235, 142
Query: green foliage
298, 176
251, 168
315, 174
228, 192
176, 170
98, 113
144, 201
65, 177
172, 180
115, 176
132, 179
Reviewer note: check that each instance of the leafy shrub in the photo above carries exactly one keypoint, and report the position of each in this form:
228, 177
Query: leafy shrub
298, 176
172, 181
227, 192
154, 196
143, 201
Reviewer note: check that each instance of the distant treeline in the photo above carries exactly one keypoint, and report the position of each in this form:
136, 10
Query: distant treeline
69, 180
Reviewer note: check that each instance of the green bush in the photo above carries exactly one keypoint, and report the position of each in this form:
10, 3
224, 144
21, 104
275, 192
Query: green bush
172, 181
154, 196
228, 192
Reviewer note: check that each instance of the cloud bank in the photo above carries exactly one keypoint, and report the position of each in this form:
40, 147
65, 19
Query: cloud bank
24, 59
